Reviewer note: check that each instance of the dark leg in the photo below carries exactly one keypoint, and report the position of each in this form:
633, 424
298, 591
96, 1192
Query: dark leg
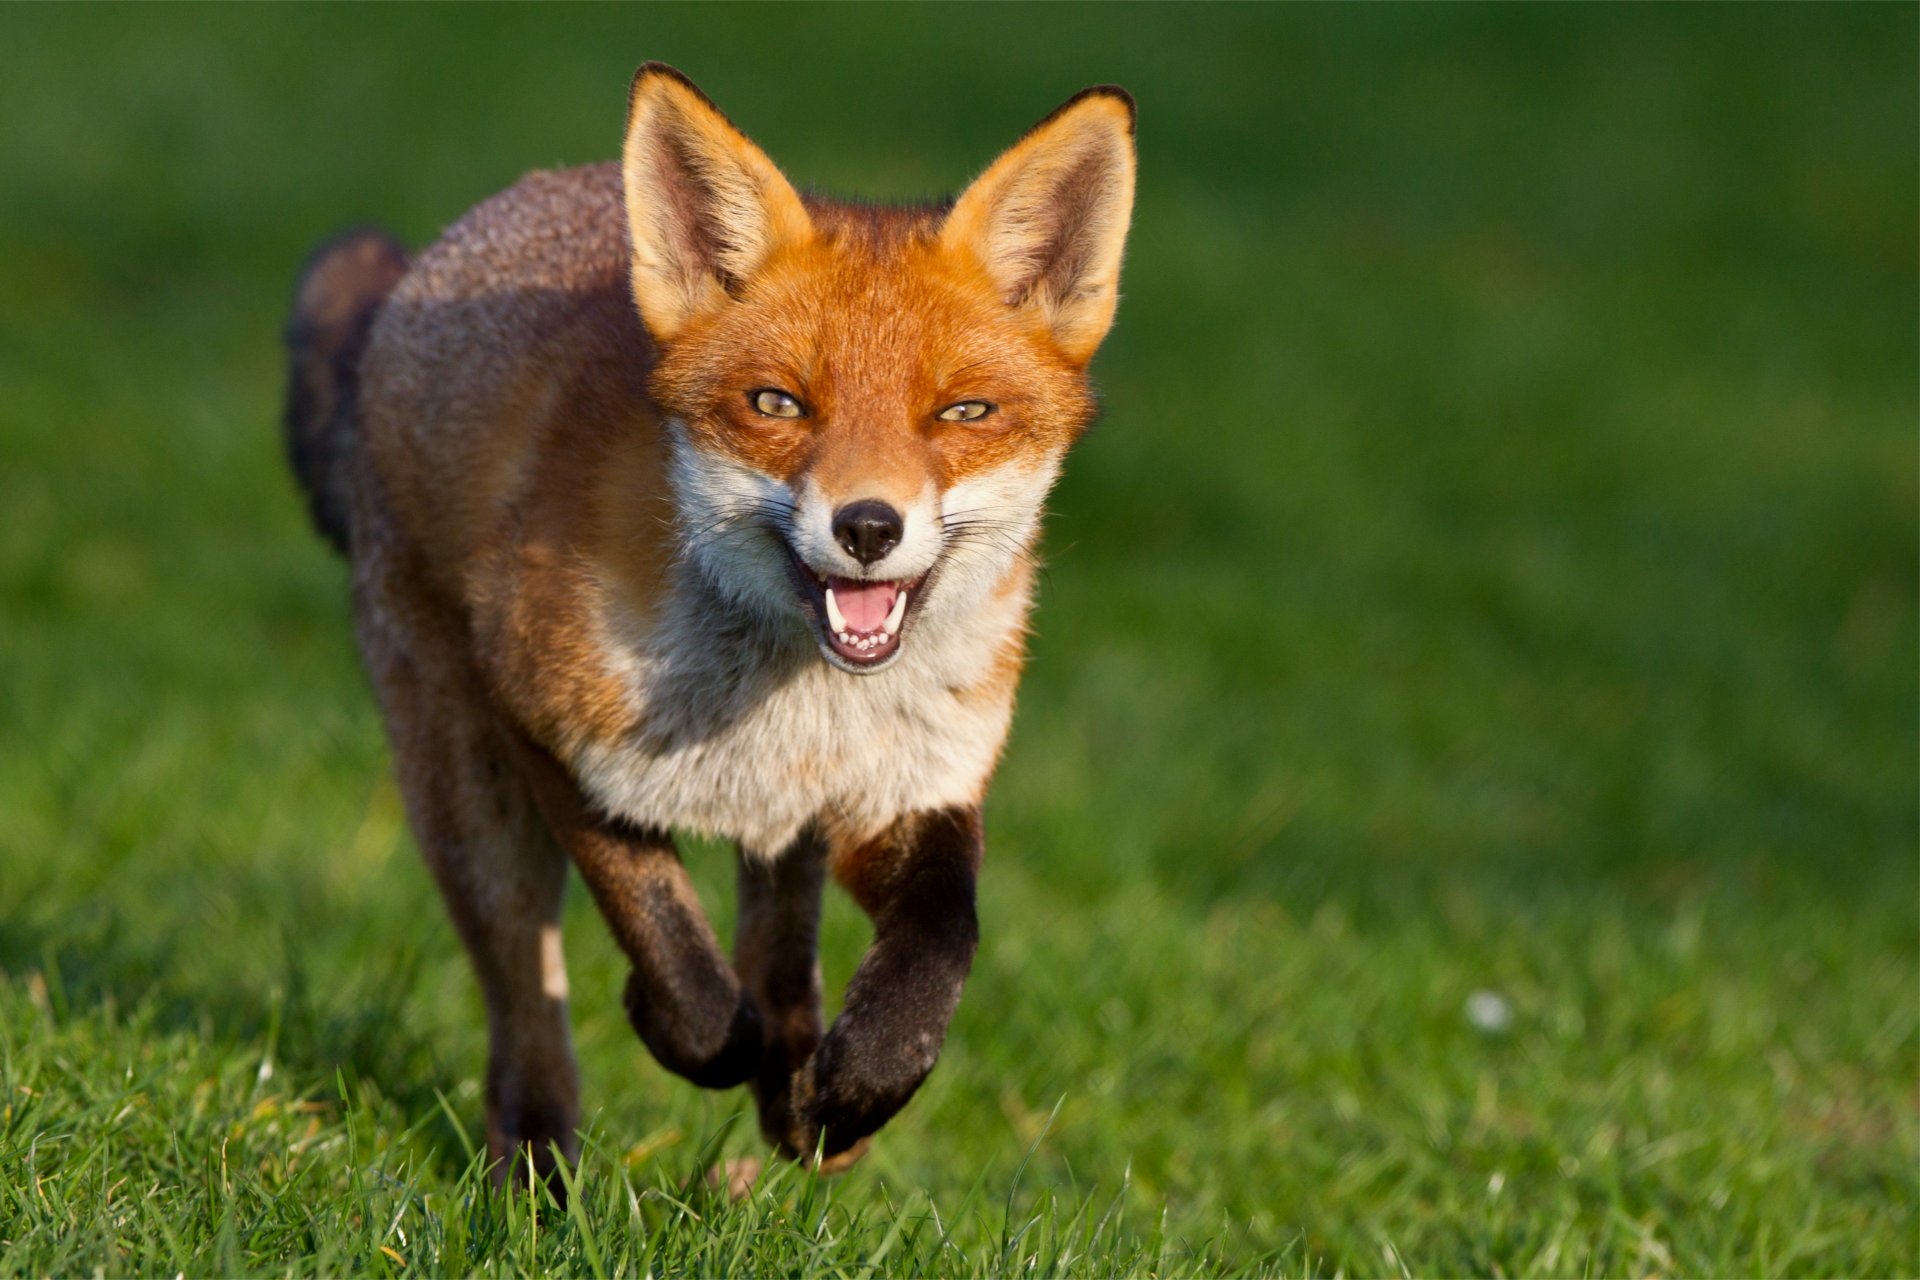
498, 868
682, 996
917, 884
776, 952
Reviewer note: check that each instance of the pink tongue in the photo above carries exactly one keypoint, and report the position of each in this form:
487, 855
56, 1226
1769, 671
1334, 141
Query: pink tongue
865, 605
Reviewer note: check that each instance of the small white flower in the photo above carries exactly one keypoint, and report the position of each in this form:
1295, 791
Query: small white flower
1489, 1012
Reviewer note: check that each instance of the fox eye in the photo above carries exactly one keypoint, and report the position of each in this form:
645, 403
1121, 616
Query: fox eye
775, 404
966, 411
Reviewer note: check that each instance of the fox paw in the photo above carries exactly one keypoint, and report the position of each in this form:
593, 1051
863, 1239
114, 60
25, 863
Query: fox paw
736, 1177
804, 1137
523, 1146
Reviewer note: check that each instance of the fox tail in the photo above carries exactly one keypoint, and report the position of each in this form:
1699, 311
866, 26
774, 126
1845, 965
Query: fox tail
340, 291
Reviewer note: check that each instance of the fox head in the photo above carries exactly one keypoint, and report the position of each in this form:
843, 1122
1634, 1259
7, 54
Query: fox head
867, 406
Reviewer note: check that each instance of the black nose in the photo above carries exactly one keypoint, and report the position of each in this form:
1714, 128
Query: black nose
867, 529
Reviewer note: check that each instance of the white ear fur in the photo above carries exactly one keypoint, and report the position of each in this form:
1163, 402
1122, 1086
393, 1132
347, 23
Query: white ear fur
705, 207
1048, 219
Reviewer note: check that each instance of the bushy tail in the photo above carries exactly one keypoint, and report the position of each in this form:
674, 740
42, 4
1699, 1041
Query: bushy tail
340, 291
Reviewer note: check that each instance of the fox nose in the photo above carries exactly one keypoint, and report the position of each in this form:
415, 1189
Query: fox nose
867, 529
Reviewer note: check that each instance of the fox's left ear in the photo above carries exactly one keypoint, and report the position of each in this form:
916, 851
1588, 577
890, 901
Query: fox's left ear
1048, 220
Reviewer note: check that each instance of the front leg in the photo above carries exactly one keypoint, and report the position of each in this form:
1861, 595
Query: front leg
916, 882
776, 951
682, 996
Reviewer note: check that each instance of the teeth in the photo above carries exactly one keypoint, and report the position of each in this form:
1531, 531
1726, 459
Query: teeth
897, 615
866, 642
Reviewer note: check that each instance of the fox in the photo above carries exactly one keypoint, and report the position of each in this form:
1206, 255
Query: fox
679, 502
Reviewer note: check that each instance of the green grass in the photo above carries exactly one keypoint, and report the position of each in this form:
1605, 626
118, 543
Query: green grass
1495, 570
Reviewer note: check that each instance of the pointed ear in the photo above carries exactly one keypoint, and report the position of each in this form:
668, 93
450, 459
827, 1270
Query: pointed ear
1049, 219
705, 207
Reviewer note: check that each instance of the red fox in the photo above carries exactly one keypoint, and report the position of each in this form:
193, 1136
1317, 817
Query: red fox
677, 500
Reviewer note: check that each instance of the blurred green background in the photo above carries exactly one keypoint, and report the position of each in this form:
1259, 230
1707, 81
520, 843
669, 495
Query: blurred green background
1495, 572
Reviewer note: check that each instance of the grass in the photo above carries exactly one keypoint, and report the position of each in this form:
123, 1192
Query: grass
1495, 572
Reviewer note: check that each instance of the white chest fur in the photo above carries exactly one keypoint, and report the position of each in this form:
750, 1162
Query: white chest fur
751, 736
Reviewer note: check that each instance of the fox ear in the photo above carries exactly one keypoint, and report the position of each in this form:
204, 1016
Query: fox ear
705, 207
1048, 220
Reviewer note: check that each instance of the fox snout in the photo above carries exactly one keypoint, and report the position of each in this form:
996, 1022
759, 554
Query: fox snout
864, 565
873, 534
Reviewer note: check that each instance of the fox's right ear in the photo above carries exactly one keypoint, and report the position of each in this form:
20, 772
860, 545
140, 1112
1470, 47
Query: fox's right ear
1048, 219
705, 207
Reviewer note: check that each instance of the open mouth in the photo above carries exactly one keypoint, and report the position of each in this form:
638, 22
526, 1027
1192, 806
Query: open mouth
860, 621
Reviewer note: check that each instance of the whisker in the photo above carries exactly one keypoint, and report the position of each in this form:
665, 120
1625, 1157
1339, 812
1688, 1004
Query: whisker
981, 511
1000, 538
757, 516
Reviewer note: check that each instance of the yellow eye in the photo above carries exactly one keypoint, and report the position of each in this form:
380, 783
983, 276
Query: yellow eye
966, 411
776, 404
